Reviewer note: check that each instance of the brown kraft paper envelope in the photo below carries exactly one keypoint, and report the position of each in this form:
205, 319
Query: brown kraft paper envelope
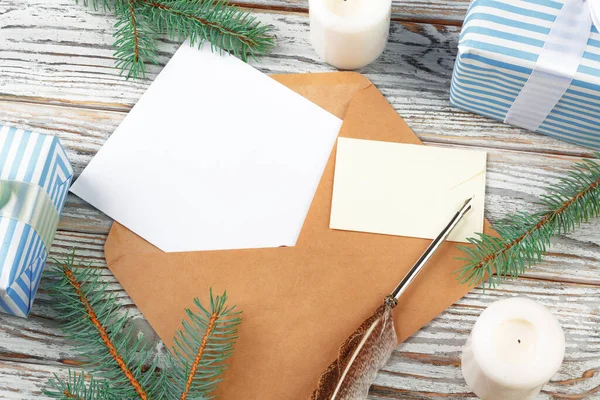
299, 303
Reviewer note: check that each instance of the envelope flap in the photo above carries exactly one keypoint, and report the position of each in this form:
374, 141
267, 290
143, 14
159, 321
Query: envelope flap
122, 241
332, 91
369, 109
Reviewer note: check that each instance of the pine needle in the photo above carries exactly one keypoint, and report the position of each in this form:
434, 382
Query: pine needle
91, 318
75, 387
140, 22
525, 238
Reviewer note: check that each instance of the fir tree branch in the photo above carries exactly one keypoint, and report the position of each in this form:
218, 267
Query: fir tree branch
209, 331
134, 33
135, 39
201, 348
125, 368
223, 25
90, 316
93, 318
524, 238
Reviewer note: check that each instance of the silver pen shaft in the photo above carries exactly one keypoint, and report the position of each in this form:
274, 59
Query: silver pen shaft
414, 271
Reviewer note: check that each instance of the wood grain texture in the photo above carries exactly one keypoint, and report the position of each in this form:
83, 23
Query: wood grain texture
443, 11
57, 76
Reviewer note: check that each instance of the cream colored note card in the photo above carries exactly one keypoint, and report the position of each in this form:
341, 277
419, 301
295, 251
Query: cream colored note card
406, 190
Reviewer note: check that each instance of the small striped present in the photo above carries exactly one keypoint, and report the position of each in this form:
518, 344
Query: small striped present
35, 175
534, 64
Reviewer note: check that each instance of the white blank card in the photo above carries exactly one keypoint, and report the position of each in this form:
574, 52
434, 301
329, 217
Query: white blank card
215, 155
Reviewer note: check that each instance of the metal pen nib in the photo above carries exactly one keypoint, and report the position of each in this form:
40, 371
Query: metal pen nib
435, 244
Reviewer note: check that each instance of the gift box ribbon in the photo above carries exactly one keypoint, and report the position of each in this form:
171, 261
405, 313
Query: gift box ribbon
556, 65
30, 204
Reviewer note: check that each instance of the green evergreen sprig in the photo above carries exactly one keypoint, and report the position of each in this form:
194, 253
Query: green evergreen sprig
75, 386
135, 39
524, 238
140, 22
121, 363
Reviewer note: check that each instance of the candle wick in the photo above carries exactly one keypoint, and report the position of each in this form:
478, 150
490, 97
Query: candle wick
519, 340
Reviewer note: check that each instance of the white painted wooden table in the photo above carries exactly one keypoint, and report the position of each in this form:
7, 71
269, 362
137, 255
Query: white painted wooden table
57, 76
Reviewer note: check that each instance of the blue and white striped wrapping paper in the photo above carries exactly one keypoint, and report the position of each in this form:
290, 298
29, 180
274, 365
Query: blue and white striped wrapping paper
498, 48
38, 159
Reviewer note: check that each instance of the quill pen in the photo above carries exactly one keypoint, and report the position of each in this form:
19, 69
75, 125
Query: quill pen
367, 349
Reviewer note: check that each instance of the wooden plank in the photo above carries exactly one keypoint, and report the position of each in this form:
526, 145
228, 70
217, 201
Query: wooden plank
20, 381
451, 12
42, 62
84, 131
427, 363
515, 178
448, 12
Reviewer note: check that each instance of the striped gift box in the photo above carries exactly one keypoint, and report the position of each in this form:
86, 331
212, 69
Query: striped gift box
37, 162
499, 45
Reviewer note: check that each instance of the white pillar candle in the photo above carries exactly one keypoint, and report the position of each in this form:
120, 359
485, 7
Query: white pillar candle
515, 347
349, 34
